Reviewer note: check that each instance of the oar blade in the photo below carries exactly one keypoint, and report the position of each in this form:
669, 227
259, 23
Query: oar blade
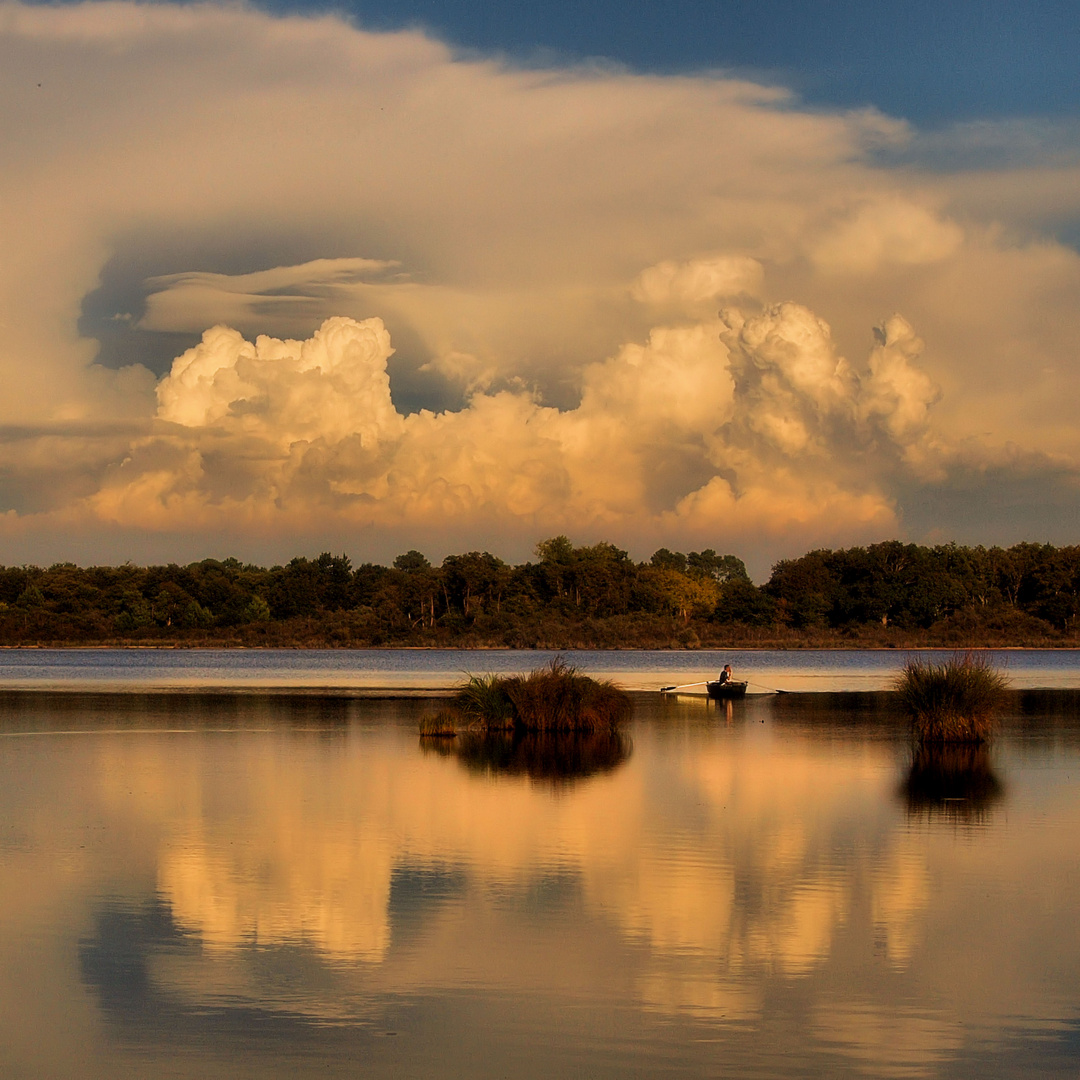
681, 686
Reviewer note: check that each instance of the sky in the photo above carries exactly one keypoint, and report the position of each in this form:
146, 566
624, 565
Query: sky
460, 275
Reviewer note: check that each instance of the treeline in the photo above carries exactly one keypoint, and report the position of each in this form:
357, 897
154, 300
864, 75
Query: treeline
569, 596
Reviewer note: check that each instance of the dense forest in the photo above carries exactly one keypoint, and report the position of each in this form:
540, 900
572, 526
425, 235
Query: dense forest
891, 594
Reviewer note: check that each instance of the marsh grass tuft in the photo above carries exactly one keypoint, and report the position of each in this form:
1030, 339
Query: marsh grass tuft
483, 703
555, 698
954, 701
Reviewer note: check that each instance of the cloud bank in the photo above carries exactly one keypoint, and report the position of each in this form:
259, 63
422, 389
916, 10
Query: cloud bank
455, 303
750, 424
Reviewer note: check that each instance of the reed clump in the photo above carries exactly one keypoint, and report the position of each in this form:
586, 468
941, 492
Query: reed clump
555, 698
954, 701
559, 698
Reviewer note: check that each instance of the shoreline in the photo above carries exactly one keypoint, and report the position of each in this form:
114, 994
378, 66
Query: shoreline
768, 645
130, 692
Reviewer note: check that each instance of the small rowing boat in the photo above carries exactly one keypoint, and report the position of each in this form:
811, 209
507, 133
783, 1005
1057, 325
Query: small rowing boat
725, 691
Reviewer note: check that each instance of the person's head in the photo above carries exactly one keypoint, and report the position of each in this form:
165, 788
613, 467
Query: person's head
727, 667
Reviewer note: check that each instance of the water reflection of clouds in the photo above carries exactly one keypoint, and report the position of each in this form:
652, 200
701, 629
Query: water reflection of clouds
298, 848
713, 877
327, 889
900, 892
896, 1041
791, 882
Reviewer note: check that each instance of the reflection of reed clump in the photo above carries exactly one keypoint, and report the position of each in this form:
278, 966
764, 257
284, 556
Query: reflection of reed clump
553, 757
443, 725
953, 781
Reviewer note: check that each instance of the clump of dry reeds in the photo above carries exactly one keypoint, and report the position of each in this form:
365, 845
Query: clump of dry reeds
954, 701
556, 698
559, 698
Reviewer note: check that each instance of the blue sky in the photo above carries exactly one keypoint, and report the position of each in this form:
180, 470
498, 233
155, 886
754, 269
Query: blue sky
929, 61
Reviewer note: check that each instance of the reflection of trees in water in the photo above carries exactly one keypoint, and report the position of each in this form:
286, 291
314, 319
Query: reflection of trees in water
194, 709
954, 781
563, 757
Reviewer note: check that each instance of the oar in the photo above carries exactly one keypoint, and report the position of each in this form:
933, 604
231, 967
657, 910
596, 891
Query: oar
665, 689
771, 689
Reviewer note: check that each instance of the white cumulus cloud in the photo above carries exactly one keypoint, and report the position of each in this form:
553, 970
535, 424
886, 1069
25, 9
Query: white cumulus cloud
724, 426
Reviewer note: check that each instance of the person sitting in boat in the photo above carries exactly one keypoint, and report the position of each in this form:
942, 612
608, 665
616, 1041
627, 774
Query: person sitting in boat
725, 675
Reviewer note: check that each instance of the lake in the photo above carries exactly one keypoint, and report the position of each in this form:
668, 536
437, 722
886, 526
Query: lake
366, 670
292, 885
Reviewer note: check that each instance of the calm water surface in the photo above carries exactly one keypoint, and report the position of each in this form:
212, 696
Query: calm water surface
272, 886
427, 669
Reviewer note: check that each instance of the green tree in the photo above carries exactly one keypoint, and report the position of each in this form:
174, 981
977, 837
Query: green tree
257, 610
196, 616
804, 589
601, 579
663, 559
720, 568
472, 581
31, 597
741, 601
556, 557
411, 562
687, 596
